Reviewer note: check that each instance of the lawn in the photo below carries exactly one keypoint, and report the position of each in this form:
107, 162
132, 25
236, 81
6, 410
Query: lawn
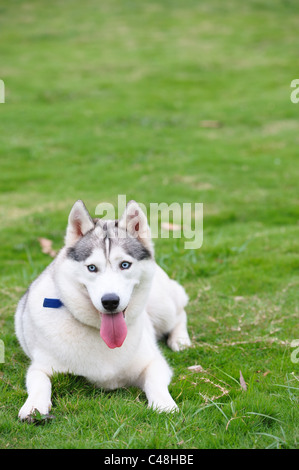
163, 102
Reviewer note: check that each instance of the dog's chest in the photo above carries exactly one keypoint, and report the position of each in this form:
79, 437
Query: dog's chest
83, 352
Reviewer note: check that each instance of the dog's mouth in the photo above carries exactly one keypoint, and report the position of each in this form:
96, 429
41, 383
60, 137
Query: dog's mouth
113, 328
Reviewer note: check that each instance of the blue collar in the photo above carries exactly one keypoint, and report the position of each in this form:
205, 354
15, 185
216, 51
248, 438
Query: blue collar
52, 303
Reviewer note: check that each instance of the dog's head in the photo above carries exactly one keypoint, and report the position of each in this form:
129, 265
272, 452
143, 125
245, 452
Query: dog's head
113, 260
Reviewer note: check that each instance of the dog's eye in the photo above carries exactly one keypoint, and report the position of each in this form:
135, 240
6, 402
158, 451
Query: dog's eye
125, 265
92, 268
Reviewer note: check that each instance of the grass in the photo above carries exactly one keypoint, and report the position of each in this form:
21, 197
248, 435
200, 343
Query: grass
107, 99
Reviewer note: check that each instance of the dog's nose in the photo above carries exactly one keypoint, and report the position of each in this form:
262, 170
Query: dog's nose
110, 301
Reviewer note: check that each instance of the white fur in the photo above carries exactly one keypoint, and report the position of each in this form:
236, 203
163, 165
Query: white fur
68, 339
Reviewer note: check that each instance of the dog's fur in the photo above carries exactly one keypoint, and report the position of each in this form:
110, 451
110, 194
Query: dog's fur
68, 339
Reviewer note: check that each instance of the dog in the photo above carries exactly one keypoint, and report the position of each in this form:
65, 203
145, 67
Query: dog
98, 310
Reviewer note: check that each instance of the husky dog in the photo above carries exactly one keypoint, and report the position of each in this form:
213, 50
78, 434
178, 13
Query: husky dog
98, 309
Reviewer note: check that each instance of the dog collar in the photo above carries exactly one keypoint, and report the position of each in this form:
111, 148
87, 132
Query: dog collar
52, 303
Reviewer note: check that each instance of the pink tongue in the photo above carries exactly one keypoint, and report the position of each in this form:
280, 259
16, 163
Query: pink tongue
113, 329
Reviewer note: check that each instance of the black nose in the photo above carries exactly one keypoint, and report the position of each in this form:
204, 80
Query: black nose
110, 301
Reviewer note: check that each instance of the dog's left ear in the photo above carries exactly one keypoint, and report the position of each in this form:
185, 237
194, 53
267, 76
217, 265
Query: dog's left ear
79, 223
135, 223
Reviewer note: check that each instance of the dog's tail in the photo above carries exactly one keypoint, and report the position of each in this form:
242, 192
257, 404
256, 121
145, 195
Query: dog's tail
180, 295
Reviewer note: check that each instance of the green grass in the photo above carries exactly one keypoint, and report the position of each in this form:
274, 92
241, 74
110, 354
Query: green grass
107, 98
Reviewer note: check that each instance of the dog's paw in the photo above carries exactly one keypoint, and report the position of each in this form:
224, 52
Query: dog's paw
168, 406
178, 343
32, 412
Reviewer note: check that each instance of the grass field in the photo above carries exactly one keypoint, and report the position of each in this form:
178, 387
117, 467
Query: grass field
109, 98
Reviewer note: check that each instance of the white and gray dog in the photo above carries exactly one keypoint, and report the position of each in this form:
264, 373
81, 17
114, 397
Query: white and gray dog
98, 309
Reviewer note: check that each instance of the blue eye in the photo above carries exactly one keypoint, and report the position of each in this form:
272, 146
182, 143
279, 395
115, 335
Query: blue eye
125, 265
92, 268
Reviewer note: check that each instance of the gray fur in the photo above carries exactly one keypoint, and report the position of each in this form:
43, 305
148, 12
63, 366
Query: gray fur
135, 248
116, 236
83, 248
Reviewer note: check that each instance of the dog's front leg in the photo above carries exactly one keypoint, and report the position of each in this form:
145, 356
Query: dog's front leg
39, 393
154, 382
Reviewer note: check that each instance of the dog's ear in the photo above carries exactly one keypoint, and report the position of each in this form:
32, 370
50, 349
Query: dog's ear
135, 223
79, 223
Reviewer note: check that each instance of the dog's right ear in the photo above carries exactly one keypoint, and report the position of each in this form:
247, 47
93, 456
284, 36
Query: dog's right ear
79, 223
